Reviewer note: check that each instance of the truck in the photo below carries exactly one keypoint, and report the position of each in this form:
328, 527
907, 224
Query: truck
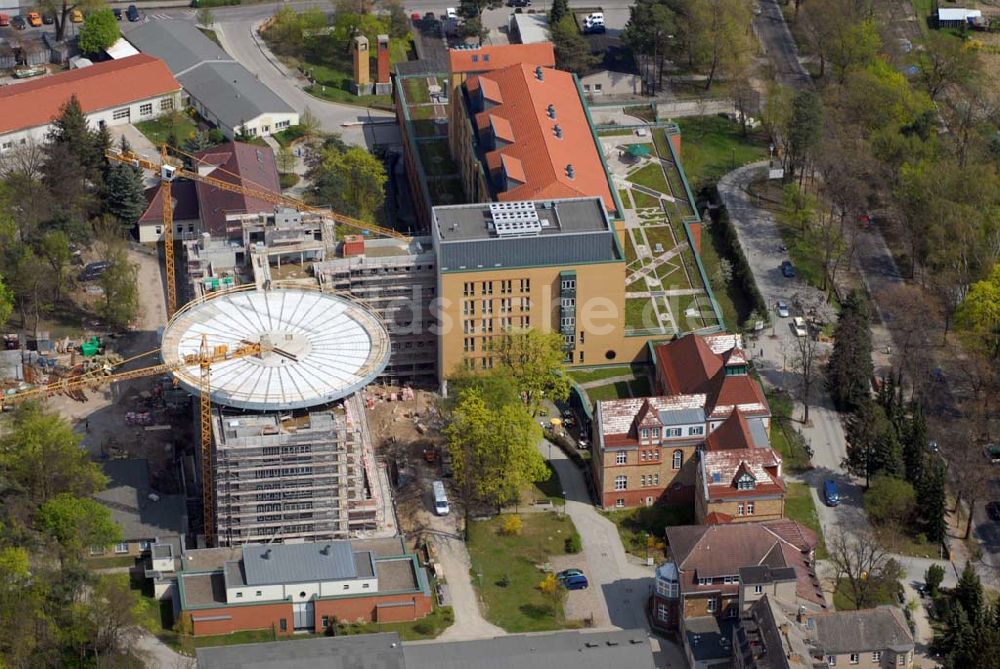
440, 499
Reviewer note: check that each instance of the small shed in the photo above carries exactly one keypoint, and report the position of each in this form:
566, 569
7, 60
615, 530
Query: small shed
956, 17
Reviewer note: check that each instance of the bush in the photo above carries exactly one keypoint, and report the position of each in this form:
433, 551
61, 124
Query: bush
214, 3
216, 136
573, 543
512, 525
287, 179
424, 628
733, 252
933, 577
889, 500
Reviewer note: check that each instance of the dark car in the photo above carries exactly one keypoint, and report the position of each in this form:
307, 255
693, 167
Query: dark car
575, 582
787, 269
568, 573
132, 13
94, 270
831, 496
118, 13
48, 18
993, 511
18, 23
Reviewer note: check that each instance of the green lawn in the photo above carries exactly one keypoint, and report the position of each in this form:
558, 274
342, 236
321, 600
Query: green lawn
416, 90
109, 561
637, 310
436, 158
505, 571
636, 525
784, 438
650, 176
614, 132
623, 196
799, 506
428, 627
611, 391
158, 130
587, 375
345, 96
644, 201
885, 593
712, 146
289, 135
549, 488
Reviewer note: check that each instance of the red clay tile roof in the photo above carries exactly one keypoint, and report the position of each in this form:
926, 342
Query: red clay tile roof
501, 128
234, 162
513, 168
734, 432
101, 86
762, 463
491, 90
185, 199
696, 364
488, 58
547, 157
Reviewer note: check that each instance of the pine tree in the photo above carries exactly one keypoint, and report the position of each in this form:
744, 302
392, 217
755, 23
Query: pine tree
863, 431
888, 454
849, 370
126, 198
954, 640
560, 8
933, 502
969, 593
914, 447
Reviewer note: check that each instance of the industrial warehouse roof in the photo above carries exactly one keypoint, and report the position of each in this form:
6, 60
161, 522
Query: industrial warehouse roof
552, 152
208, 73
324, 347
314, 561
519, 234
142, 512
113, 83
548, 650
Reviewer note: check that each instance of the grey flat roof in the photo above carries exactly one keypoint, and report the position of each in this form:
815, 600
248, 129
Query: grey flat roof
128, 498
208, 73
682, 416
362, 651
761, 574
550, 650
709, 638
295, 563
573, 231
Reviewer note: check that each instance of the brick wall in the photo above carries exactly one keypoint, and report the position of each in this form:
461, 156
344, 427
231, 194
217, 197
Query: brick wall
764, 509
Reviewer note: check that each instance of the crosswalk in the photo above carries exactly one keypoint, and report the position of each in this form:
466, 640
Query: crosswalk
165, 16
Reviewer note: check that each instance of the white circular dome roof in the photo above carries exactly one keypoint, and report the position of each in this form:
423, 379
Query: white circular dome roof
316, 347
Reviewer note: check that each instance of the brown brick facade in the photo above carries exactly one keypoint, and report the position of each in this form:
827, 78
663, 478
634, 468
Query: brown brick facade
673, 486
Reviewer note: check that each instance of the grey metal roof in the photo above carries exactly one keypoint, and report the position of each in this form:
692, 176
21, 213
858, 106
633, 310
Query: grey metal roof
232, 93
178, 43
558, 650
464, 222
295, 563
761, 574
527, 252
862, 631
363, 651
758, 432
128, 497
207, 72
682, 416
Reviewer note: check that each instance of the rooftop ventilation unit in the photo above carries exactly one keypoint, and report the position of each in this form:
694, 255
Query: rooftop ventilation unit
557, 129
570, 172
551, 111
514, 219
538, 73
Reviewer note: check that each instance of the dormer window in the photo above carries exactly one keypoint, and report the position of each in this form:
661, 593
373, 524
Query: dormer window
644, 433
736, 370
656, 433
746, 482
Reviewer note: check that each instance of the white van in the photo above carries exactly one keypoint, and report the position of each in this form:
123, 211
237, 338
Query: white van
440, 499
799, 326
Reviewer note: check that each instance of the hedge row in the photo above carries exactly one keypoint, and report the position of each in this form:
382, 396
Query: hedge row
732, 251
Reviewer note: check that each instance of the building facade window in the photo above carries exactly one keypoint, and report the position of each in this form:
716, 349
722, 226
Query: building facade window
656, 479
621, 483
619, 503
121, 547
876, 656
704, 581
697, 430
146, 109
854, 658
730, 579
568, 284
166, 104
831, 660
662, 612
642, 480
758, 589
470, 345
621, 457
120, 114
678, 459
525, 286
901, 659
467, 288
749, 508
746, 482
713, 605
739, 509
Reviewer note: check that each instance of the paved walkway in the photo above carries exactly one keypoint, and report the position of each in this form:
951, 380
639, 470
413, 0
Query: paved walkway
469, 621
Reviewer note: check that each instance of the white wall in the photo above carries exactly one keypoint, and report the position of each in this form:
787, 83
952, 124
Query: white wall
160, 105
260, 126
150, 233
293, 591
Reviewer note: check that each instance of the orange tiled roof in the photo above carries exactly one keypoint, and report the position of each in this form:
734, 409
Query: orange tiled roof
501, 128
488, 58
761, 463
546, 146
100, 86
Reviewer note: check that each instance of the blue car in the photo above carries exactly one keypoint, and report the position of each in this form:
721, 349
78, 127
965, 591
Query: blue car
575, 582
787, 269
830, 494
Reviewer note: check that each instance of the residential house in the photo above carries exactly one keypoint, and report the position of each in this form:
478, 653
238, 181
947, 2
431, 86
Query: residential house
699, 592
111, 93
146, 515
200, 207
776, 634
223, 91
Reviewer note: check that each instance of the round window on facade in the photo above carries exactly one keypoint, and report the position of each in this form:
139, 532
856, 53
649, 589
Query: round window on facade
302, 595
610, 355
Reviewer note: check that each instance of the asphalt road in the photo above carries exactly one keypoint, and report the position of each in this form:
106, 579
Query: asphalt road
773, 33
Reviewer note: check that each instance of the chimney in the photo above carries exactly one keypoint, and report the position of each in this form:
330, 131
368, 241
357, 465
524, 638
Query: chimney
538, 73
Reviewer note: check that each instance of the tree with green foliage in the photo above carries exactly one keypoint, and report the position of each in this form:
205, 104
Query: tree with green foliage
99, 31
887, 457
40, 457
349, 179
496, 386
865, 425
933, 501
969, 593
915, 446
6, 302
890, 501
647, 34
493, 449
945, 61
54, 248
849, 370
804, 129
77, 523
559, 9
126, 193
60, 11
933, 578
978, 316
855, 45
535, 362
572, 49
121, 289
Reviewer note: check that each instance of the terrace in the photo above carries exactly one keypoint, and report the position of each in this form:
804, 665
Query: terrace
425, 105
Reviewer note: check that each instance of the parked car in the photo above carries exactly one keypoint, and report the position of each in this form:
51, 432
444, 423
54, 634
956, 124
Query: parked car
118, 13
94, 270
566, 573
48, 18
76, 16
451, 13
132, 13
787, 269
933, 446
799, 326
578, 582
831, 496
18, 23
992, 452
34, 20
4, 20
782, 309
993, 511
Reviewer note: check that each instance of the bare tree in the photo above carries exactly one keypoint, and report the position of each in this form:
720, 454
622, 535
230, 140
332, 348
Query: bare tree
863, 564
804, 362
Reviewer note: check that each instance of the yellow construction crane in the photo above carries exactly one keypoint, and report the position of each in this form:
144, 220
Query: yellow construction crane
204, 359
169, 172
